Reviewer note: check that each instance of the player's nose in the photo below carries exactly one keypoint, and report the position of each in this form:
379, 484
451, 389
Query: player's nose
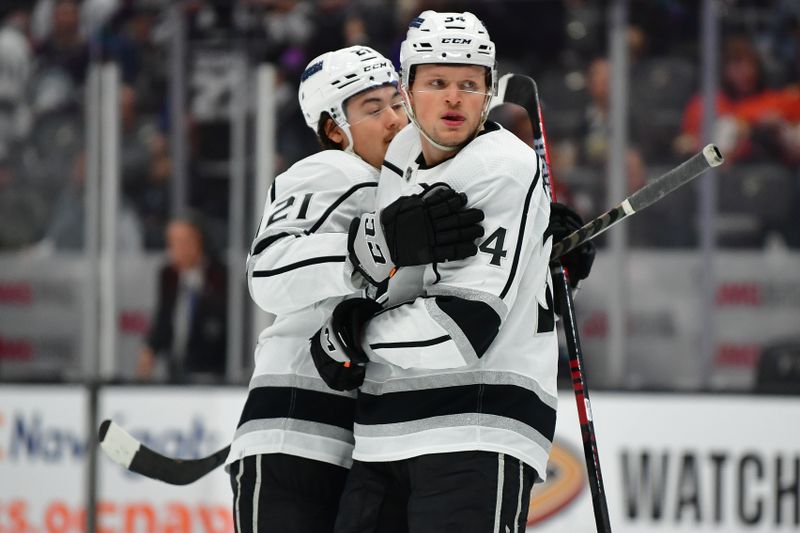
452, 94
394, 117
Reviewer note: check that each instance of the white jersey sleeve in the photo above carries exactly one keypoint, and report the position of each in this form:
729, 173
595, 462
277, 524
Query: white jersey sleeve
298, 257
465, 302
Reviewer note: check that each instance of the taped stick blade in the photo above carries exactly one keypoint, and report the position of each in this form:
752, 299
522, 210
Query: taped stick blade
117, 443
131, 454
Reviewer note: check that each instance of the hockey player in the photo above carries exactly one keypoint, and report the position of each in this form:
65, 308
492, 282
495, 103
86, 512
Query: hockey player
293, 443
456, 415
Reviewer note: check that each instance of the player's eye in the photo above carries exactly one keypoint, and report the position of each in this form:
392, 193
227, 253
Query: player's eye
468, 85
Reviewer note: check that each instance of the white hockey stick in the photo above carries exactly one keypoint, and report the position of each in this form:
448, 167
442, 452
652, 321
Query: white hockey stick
654, 191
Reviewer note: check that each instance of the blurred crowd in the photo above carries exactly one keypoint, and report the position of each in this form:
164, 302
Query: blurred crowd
47, 46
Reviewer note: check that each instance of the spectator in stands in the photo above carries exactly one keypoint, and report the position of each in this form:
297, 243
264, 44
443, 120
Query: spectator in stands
64, 47
150, 64
23, 212
150, 195
15, 69
66, 228
189, 326
146, 167
596, 136
754, 122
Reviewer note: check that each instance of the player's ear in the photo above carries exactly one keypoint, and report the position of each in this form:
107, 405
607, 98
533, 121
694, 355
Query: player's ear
335, 133
407, 96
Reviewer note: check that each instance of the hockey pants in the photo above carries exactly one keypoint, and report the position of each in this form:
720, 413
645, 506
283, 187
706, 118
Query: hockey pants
459, 492
278, 493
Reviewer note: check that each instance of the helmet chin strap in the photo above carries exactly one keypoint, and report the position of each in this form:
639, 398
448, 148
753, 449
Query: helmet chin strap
349, 149
345, 127
413, 117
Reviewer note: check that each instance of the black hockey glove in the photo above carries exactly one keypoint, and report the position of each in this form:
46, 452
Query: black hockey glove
430, 227
577, 262
336, 347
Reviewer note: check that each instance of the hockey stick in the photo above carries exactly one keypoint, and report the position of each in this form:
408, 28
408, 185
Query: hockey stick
125, 450
522, 90
707, 158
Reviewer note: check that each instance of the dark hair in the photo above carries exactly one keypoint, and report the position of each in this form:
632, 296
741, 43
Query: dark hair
197, 220
324, 141
739, 46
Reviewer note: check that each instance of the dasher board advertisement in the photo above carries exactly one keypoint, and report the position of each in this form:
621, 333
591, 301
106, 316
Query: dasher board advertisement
670, 462
42, 458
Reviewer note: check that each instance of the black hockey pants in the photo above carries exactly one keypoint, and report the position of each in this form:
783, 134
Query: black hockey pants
278, 493
460, 492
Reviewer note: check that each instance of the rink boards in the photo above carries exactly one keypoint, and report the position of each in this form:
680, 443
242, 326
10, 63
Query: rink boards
670, 462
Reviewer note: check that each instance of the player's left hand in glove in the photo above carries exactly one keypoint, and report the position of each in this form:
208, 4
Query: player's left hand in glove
577, 262
430, 227
336, 347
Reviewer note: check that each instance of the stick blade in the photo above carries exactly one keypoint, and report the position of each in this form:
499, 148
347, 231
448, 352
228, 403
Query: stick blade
515, 89
132, 455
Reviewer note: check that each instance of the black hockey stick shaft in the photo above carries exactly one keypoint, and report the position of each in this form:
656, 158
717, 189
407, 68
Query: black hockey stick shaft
585, 417
707, 158
128, 452
523, 92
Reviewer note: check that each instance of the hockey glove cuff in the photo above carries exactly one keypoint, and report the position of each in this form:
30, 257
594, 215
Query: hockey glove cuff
367, 249
336, 347
431, 227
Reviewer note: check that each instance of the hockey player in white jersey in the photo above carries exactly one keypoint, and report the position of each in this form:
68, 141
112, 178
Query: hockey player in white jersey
455, 418
293, 443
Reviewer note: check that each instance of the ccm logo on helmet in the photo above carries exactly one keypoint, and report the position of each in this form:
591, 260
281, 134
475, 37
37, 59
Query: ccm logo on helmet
382, 64
455, 40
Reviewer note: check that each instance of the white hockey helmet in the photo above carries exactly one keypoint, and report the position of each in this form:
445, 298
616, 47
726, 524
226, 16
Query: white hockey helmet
456, 38
330, 79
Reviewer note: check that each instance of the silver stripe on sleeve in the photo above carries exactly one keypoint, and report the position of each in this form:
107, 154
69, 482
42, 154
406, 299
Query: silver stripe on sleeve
497, 305
461, 341
299, 426
459, 420
455, 379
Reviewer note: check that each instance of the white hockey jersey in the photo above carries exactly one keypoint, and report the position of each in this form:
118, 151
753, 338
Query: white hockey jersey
471, 364
297, 270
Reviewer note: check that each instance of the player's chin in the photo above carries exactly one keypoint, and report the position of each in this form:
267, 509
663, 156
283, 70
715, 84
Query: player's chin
453, 137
